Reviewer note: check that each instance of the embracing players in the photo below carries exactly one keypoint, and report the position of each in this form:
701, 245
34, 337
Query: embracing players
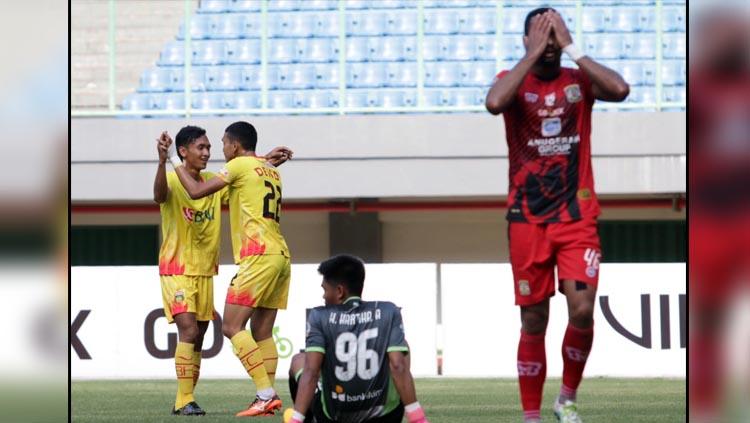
552, 206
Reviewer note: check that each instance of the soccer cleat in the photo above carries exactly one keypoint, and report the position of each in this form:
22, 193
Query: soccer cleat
261, 407
566, 413
189, 409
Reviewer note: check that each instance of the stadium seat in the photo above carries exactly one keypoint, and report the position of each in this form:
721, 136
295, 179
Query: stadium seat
298, 76
486, 47
464, 47
476, 21
639, 46
295, 25
223, 78
432, 97
465, 97
394, 48
357, 49
283, 5
173, 54
214, 6
603, 46
390, 4
596, 19
673, 72
365, 23
227, 100
673, 46
402, 74
400, 22
242, 51
155, 80
251, 25
440, 22
282, 50
485, 3
432, 47
136, 102
326, 24
280, 99
326, 75
250, 78
199, 27
357, 4
197, 79
228, 26
513, 19
441, 74
317, 50
173, 101
208, 52
477, 74
318, 5
202, 101
365, 75
399, 98
569, 15
632, 72
674, 94
357, 98
319, 98
646, 19
622, 19
511, 47
244, 5
453, 3
673, 19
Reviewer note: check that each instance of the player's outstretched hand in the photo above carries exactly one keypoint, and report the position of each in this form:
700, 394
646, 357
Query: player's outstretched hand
539, 32
562, 34
162, 147
279, 155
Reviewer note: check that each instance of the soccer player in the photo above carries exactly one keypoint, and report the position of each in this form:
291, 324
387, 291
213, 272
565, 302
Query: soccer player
188, 258
261, 285
552, 203
361, 350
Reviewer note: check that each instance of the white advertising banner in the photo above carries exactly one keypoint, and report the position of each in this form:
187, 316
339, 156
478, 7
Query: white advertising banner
118, 330
640, 322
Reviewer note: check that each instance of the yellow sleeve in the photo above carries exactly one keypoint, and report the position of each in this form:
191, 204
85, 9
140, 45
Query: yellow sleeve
224, 195
229, 172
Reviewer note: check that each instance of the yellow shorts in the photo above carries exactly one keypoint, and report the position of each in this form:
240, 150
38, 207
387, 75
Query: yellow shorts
261, 281
186, 293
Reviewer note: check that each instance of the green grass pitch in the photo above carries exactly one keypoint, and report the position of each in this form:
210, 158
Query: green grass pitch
445, 400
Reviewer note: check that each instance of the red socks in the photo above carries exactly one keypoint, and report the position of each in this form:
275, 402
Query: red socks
532, 370
575, 350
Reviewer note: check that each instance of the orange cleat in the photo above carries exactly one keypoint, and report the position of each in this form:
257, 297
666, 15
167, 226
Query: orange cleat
261, 407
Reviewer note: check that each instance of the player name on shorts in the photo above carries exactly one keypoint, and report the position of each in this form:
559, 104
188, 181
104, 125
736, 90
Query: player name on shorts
554, 146
354, 318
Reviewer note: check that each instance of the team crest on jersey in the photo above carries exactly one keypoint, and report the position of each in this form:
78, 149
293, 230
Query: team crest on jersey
549, 100
224, 172
531, 97
573, 93
523, 287
179, 296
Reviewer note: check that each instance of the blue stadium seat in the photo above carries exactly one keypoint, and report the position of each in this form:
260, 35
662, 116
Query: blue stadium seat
357, 49
326, 76
227, 100
242, 51
296, 76
673, 46
173, 101
283, 5
318, 50
357, 4
632, 72
280, 99
432, 47
513, 19
173, 54
639, 46
208, 52
214, 6
197, 79
477, 74
365, 23
673, 72
200, 27
318, 5
136, 102
365, 75
282, 50
320, 99
486, 48
569, 15
250, 78
203, 101
399, 98
285, 25
441, 74
464, 97
357, 98
400, 22
251, 25
623, 19
223, 78
596, 19
642, 95
244, 5
476, 21
432, 97
326, 24
673, 19
390, 4
155, 80
677, 94
440, 22
453, 3
394, 49
228, 26
604, 46
511, 47
484, 3
403, 74
464, 47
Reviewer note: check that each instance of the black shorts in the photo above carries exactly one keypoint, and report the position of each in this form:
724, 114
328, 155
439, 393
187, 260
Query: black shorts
316, 415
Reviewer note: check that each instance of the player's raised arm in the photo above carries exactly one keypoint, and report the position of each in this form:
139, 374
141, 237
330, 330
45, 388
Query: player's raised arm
279, 155
606, 84
195, 189
161, 189
504, 89
307, 383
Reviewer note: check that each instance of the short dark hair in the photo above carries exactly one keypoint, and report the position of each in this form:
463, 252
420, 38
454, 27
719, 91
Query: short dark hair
346, 270
537, 11
244, 133
187, 135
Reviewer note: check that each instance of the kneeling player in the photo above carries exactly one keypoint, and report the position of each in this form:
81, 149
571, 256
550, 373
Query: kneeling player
361, 349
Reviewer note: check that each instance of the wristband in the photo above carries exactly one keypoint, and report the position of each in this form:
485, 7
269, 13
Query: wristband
297, 417
173, 157
572, 51
414, 412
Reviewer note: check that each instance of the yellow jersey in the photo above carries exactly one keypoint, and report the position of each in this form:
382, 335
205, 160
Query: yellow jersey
254, 207
191, 230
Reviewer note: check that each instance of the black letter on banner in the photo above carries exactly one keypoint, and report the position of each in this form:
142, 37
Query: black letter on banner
645, 339
683, 321
218, 339
74, 341
148, 336
666, 332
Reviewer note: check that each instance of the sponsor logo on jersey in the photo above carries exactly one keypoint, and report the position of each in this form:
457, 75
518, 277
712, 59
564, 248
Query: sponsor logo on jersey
531, 97
545, 113
592, 258
551, 127
573, 93
523, 287
549, 100
529, 368
556, 146
197, 216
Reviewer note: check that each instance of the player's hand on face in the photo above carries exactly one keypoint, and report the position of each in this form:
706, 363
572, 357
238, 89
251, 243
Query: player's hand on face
562, 34
539, 32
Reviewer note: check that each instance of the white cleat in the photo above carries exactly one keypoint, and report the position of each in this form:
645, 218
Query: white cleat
566, 413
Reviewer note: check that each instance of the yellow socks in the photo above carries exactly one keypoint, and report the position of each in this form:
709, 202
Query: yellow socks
183, 364
270, 357
250, 356
196, 367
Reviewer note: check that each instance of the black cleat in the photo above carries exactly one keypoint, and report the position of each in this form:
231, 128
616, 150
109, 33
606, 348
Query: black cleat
190, 409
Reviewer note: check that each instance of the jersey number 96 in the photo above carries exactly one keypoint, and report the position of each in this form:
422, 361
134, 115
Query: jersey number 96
357, 359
